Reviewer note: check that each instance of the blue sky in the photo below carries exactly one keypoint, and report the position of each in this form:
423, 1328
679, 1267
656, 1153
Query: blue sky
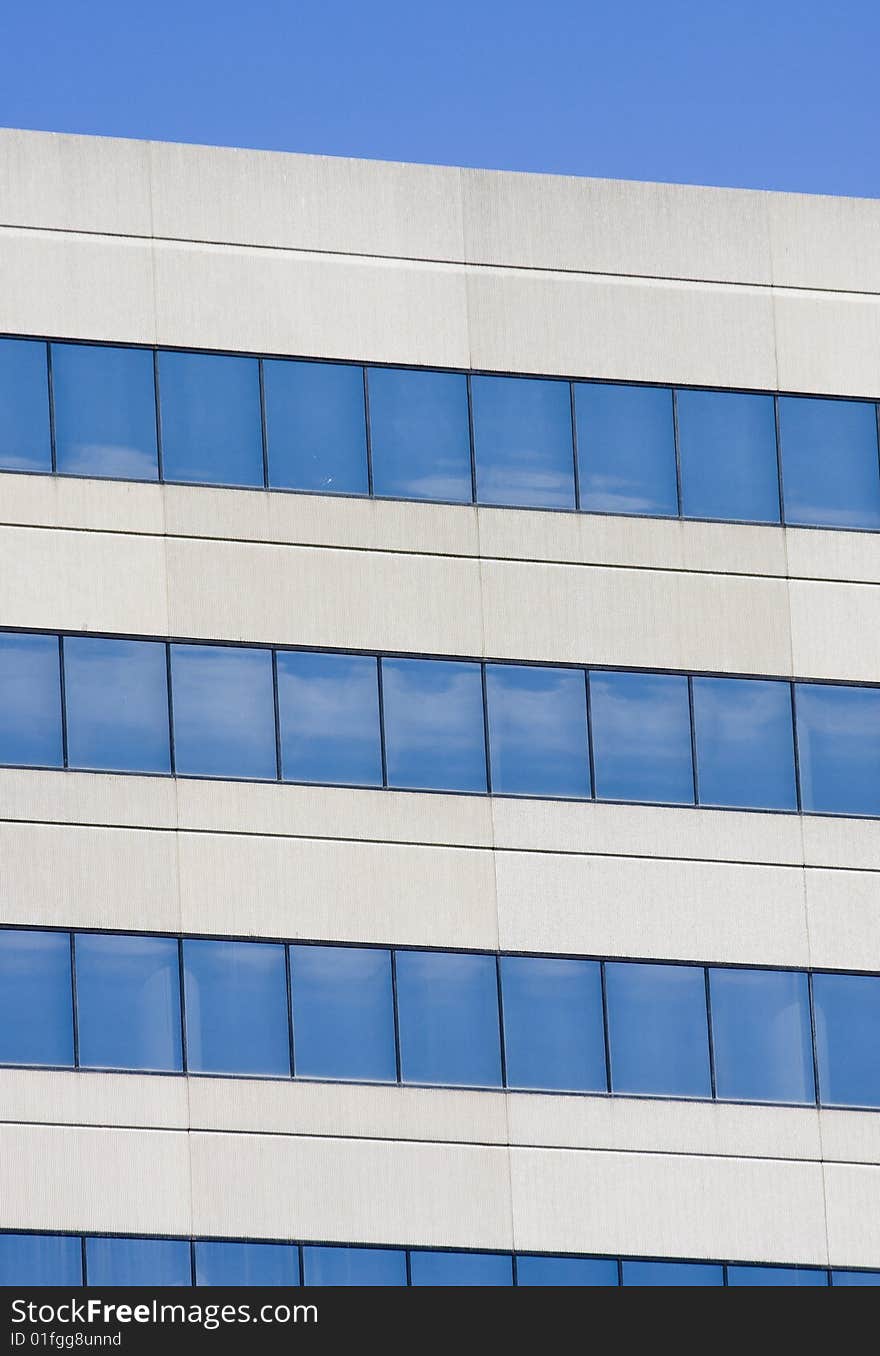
755, 93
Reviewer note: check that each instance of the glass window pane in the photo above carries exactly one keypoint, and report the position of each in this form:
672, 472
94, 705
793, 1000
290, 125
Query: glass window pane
343, 1013
211, 426
40, 1259
657, 1029
434, 737
316, 429
522, 442
448, 1016
236, 1007
354, 1266
460, 1268
672, 1273
847, 1011
105, 411
328, 705
30, 701
855, 1277
224, 711
538, 730
116, 693
838, 733
419, 435
626, 449
553, 1028
247, 1263
138, 1261
762, 1036
24, 406
752, 1275
566, 1270
727, 449
641, 728
128, 1002
36, 1006
745, 743
830, 468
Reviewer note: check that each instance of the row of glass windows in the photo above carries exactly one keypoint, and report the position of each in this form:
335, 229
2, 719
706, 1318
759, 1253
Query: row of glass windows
436, 724
53, 1259
223, 419
464, 1019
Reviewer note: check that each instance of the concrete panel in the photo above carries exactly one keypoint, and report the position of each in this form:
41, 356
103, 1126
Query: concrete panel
84, 505
836, 841
835, 631
850, 1136
846, 556
843, 918
101, 798
823, 242
828, 343
75, 1098
852, 1195
74, 183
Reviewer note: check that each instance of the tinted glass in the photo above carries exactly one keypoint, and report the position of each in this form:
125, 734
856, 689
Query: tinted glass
128, 1002
419, 435
211, 426
745, 743
727, 451
316, 430
116, 692
343, 1012
448, 1015
847, 1009
328, 705
776, 1276
830, 469
40, 1259
105, 411
641, 730
672, 1273
24, 406
566, 1271
434, 736
224, 711
247, 1264
838, 732
762, 1038
626, 449
522, 441
236, 1008
36, 1007
553, 1028
657, 1029
354, 1266
30, 701
460, 1268
538, 730
855, 1277
138, 1261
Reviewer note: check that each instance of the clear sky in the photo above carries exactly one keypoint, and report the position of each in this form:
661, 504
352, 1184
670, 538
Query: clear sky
780, 94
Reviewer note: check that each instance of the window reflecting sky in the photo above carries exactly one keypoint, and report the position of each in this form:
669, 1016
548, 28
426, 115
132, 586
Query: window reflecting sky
211, 424
138, 1261
128, 1002
116, 692
329, 710
727, 451
553, 1027
316, 429
626, 449
642, 737
105, 411
657, 1029
672, 1273
343, 1013
448, 1013
419, 434
847, 1016
30, 701
236, 1007
36, 1004
354, 1266
745, 743
838, 731
24, 406
224, 711
538, 730
460, 1268
761, 1033
522, 441
40, 1259
434, 735
222, 1263
565, 1270
830, 469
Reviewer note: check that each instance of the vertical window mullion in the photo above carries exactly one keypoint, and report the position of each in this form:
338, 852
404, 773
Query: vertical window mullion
696, 775
709, 1034
73, 997
278, 769
63, 694
263, 426
170, 706
677, 449
501, 1020
590, 736
161, 467
470, 405
815, 1049
51, 399
779, 471
397, 1060
369, 432
289, 1008
794, 742
382, 747
605, 1030
574, 449
486, 729
182, 986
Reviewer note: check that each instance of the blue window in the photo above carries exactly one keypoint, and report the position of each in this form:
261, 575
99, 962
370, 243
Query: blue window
847, 1009
830, 469
24, 406
211, 424
419, 434
762, 1036
566, 1270
105, 411
641, 730
224, 711
116, 694
855, 1278
460, 1268
36, 1007
354, 1266
40, 1259
658, 1029
328, 705
553, 1027
138, 1261
30, 701
752, 1275
672, 1273
838, 733
727, 451
236, 1008
128, 1002
522, 442
626, 449
316, 428
343, 1013
745, 743
247, 1263
448, 1013
538, 730
434, 733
